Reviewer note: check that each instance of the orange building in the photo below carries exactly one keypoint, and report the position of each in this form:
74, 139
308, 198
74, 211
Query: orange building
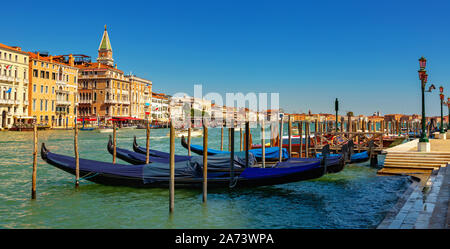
105, 92
52, 90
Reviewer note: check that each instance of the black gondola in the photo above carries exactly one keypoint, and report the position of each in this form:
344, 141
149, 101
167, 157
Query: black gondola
188, 174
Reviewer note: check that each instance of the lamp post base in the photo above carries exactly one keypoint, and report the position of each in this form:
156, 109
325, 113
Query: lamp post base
424, 147
443, 136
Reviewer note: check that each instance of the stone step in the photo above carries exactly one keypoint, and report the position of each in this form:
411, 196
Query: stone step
414, 153
412, 165
446, 157
424, 162
441, 159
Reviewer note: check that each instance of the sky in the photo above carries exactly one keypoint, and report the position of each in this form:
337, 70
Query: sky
365, 53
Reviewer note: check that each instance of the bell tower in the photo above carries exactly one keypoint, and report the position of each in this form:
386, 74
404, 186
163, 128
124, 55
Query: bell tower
105, 50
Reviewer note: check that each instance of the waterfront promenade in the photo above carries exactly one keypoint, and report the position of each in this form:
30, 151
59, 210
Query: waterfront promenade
425, 205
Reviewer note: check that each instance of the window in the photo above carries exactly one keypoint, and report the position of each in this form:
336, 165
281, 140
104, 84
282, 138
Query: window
53, 105
42, 74
42, 88
46, 104
46, 89
35, 73
16, 57
47, 75
34, 104
42, 102
95, 110
53, 76
34, 62
34, 88
53, 89
25, 60
9, 56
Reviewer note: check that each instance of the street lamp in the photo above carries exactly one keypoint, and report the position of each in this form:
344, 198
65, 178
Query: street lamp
424, 144
423, 78
441, 96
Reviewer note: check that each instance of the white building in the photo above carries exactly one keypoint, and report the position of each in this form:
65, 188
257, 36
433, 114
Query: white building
14, 64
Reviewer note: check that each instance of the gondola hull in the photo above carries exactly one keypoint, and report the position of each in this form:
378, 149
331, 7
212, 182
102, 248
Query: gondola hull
155, 176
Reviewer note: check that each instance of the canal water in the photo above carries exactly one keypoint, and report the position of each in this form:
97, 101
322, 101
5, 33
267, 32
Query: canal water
353, 198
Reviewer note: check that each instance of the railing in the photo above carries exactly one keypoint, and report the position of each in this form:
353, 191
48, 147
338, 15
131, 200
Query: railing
63, 102
111, 101
7, 78
85, 101
361, 140
7, 101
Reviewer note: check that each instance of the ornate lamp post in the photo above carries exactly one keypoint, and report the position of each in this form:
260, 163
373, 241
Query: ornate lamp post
441, 96
448, 105
424, 143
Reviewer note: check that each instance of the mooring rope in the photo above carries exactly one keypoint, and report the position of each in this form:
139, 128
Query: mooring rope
85, 177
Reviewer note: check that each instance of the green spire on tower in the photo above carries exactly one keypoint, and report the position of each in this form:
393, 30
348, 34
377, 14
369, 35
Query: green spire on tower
105, 44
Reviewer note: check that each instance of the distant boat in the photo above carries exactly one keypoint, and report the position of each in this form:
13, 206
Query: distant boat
106, 130
181, 133
87, 129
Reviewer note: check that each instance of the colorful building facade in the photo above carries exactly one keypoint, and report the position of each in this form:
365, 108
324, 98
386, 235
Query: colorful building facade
52, 90
14, 82
141, 95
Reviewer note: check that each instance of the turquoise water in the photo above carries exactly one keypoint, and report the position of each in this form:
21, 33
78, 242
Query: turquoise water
353, 198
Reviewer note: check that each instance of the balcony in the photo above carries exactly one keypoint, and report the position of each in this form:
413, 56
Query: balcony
7, 101
111, 101
61, 83
7, 78
63, 102
85, 101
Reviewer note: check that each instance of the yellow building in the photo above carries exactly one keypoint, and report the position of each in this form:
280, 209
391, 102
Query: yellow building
13, 85
141, 94
52, 90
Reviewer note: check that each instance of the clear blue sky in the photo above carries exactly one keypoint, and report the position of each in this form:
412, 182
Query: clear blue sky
363, 52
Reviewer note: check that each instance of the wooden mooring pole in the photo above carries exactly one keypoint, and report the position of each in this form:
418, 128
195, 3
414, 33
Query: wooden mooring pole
172, 169
189, 141
307, 127
280, 151
205, 162
114, 142
247, 142
263, 144
232, 157
290, 135
300, 133
221, 137
147, 145
240, 138
33, 178
77, 158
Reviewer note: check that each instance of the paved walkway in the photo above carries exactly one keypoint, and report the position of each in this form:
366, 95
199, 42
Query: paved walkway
423, 205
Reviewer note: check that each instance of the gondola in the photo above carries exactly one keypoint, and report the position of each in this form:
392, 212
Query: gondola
271, 153
351, 156
188, 174
216, 162
335, 164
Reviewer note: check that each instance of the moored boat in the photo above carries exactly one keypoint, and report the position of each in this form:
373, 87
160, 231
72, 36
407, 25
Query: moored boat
188, 174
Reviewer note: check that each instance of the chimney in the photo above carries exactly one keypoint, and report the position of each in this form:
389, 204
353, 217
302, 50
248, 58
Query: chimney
98, 65
71, 60
38, 55
51, 58
115, 66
